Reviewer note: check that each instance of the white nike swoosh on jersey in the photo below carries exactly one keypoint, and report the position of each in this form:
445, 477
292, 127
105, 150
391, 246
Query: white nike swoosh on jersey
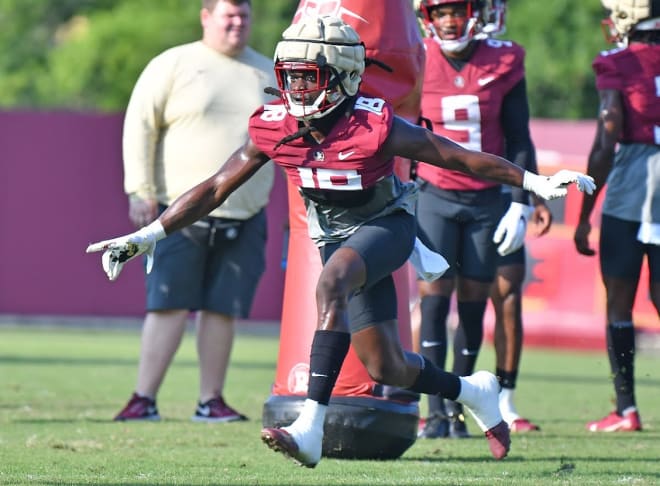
485, 81
345, 155
430, 344
319, 374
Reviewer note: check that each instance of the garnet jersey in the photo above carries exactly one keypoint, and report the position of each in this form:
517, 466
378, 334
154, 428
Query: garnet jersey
634, 71
465, 105
344, 180
345, 161
633, 184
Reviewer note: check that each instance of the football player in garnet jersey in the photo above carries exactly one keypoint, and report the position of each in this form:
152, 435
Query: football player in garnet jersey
629, 115
337, 145
474, 93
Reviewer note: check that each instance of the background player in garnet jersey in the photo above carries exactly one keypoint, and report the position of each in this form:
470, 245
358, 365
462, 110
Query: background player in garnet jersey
474, 92
338, 146
627, 79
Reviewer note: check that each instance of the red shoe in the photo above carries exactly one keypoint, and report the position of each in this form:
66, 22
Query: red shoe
280, 440
614, 422
139, 408
523, 425
216, 410
499, 440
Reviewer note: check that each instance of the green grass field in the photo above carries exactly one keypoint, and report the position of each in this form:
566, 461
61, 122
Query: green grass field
59, 388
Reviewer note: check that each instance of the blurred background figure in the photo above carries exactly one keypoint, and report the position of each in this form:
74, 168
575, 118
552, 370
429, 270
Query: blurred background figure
188, 112
475, 93
628, 115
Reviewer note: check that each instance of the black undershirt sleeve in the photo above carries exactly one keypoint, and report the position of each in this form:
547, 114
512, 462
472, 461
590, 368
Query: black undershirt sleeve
519, 148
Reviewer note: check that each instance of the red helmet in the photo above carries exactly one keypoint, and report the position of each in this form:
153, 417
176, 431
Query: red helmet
472, 27
425, 6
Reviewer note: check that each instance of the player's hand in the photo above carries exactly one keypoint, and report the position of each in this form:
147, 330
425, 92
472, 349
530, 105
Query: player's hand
510, 232
541, 219
581, 239
556, 186
142, 211
118, 251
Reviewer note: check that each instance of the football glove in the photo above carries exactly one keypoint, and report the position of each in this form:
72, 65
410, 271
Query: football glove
510, 232
556, 186
118, 251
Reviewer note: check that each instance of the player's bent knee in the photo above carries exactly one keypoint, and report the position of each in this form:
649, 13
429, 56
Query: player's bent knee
384, 373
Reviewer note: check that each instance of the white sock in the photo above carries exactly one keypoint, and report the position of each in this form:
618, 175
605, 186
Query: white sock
479, 394
307, 429
629, 410
507, 408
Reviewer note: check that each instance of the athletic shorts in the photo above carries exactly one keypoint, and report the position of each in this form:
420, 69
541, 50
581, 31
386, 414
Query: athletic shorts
385, 245
460, 226
621, 253
214, 264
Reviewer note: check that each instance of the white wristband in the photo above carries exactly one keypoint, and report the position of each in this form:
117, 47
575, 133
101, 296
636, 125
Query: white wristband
530, 180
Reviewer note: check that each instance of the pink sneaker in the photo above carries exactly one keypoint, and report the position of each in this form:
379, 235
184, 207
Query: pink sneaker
614, 422
216, 410
138, 408
522, 425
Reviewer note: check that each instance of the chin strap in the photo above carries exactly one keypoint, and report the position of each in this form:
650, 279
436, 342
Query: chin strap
369, 61
304, 130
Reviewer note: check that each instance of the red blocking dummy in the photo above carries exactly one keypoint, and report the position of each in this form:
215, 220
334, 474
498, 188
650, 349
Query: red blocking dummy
364, 420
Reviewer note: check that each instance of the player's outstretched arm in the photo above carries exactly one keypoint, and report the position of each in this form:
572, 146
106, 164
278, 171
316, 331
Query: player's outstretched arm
417, 143
185, 210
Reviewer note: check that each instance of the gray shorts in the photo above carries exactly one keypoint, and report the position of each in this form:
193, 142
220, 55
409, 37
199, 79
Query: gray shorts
460, 226
212, 265
385, 245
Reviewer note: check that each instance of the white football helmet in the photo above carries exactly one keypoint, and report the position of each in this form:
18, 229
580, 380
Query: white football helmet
629, 16
325, 51
472, 27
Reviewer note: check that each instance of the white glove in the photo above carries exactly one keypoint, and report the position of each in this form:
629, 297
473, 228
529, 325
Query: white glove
429, 264
510, 233
118, 251
557, 185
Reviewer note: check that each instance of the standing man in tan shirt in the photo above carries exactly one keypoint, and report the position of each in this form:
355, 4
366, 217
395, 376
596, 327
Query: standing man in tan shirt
188, 112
